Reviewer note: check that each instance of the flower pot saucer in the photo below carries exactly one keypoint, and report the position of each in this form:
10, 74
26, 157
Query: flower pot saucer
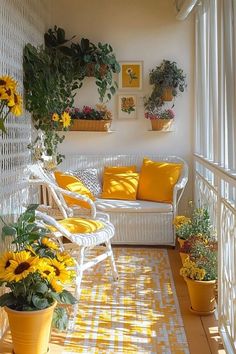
202, 313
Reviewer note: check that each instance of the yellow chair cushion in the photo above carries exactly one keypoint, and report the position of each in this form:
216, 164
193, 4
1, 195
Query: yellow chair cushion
79, 225
120, 185
119, 169
157, 180
73, 184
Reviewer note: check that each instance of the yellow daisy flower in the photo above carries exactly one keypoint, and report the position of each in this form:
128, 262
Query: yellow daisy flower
21, 266
56, 286
61, 273
7, 82
55, 117
49, 244
5, 262
65, 119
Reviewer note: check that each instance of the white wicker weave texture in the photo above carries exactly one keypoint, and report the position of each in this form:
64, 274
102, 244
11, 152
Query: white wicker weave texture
21, 21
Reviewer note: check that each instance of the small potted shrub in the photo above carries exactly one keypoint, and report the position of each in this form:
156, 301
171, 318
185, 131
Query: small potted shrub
168, 80
91, 119
200, 273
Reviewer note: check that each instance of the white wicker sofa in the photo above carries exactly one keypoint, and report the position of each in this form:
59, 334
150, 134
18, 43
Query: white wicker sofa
136, 222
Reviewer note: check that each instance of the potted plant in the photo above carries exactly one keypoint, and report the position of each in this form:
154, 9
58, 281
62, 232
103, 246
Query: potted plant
89, 60
49, 85
35, 272
160, 119
10, 100
199, 223
91, 119
168, 80
200, 273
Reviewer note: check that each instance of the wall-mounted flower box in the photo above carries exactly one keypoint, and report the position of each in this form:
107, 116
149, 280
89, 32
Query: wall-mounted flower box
90, 125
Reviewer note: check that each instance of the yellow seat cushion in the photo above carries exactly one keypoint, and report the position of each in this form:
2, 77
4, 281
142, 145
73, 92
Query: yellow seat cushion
120, 186
119, 169
157, 180
79, 225
73, 184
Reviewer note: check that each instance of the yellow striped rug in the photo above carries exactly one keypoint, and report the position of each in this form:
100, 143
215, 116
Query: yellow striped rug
139, 314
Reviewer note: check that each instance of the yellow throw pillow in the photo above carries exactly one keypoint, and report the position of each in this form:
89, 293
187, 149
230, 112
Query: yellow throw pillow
157, 180
73, 184
79, 225
120, 185
119, 169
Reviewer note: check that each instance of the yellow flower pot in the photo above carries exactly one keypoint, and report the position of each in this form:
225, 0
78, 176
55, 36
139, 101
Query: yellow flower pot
30, 330
161, 124
202, 296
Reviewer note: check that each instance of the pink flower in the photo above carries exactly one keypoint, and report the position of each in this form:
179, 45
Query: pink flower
87, 110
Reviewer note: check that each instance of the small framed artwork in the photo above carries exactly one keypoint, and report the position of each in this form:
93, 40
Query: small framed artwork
127, 106
131, 75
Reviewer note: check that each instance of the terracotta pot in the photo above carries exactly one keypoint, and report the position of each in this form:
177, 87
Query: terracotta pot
161, 124
202, 296
167, 94
90, 125
30, 330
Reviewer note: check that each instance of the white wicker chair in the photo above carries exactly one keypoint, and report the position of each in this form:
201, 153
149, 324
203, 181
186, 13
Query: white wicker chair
79, 244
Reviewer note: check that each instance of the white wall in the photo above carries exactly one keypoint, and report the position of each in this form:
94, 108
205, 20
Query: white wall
137, 30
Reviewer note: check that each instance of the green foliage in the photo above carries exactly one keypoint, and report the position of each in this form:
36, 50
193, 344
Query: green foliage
165, 75
205, 256
88, 60
200, 224
28, 272
168, 75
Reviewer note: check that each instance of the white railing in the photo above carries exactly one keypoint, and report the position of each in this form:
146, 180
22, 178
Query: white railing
216, 189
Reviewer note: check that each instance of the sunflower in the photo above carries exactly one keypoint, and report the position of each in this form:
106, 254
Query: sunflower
16, 109
21, 266
49, 244
61, 273
5, 262
56, 286
65, 258
7, 82
65, 119
30, 250
46, 271
55, 117
3, 94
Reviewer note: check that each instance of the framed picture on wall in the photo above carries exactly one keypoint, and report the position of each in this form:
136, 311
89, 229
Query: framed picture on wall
127, 106
131, 75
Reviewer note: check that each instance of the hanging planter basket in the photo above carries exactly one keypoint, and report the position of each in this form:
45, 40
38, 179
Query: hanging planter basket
90, 125
90, 70
167, 94
161, 124
30, 330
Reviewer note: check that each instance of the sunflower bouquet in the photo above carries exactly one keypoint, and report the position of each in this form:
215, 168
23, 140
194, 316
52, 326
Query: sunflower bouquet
35, 271
10, 100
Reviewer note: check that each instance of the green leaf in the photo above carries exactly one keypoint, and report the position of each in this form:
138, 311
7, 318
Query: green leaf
40, 303
41, 288
7, 299
8, 231
60, 318
67, 298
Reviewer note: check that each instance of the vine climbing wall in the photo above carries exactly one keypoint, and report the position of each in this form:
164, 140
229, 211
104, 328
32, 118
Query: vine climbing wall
21, 22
